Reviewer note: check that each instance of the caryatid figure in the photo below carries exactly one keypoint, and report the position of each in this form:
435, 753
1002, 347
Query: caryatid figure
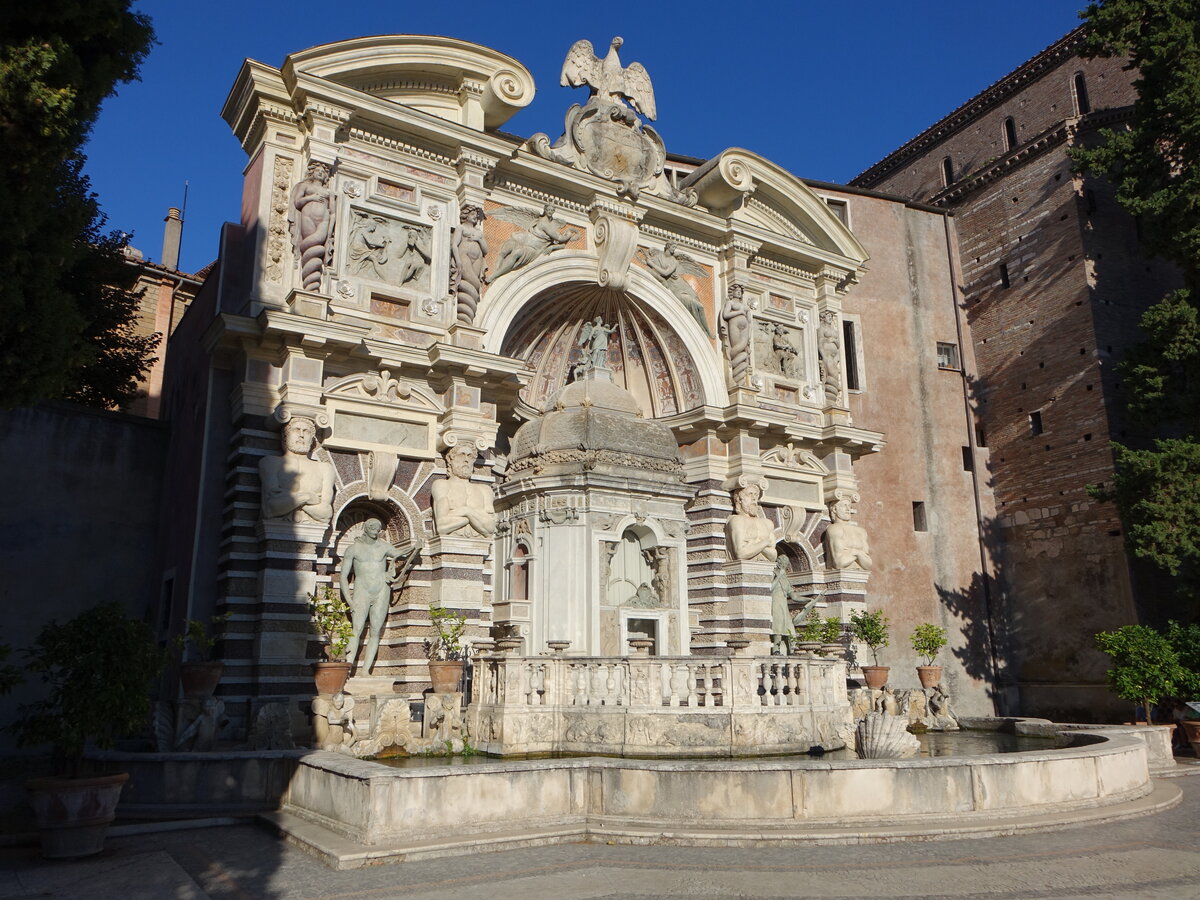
846, 544
295, 486
459, 505
748, 532
366, 584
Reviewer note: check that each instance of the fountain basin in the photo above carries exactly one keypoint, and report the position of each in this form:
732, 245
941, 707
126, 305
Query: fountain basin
353, 812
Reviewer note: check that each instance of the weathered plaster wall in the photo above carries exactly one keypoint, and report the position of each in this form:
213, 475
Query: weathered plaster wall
903, 307
78, 521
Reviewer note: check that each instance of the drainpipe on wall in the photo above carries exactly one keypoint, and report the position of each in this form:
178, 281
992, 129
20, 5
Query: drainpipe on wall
985, 578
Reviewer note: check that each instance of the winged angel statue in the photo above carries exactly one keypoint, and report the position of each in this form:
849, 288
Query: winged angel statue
543, 234
608, 80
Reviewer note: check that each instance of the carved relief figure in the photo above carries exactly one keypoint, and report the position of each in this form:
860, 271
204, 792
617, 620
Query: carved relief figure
366, 585
458, 504
845, 542
783, 631
594, 341
312, 224
669, 266
467, 256
829, 348
414, 258
295, 486
748, 532
369, 242
785, 352
543, 234
735, 333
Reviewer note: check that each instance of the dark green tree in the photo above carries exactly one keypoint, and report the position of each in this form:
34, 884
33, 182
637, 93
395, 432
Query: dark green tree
1154, 163
66, 309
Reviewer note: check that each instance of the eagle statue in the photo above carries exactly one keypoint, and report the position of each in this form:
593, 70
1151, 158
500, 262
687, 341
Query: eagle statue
607, 78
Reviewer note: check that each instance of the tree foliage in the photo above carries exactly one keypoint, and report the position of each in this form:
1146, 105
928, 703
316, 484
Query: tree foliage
1145, 667
66, 309
1154, 164
98, 668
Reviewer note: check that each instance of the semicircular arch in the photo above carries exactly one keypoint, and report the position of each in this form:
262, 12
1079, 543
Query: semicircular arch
505, 301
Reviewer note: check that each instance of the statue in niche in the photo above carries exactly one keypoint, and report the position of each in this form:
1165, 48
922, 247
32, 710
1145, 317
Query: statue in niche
669, 266
295, 486
468, 254
459, 504
845, 542
312, 224
735, 333
783, 628
748, 532
415, 257
367, 583
334, 727
829, 350
785, 352
369, 242
594, 341
543, 234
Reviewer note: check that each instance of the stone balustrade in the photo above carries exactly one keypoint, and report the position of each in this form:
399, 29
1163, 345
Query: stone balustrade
657, 705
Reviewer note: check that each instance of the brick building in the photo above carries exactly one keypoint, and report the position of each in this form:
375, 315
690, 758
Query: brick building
1053, 283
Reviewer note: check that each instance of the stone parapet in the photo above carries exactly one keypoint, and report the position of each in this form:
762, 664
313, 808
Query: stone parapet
657, 706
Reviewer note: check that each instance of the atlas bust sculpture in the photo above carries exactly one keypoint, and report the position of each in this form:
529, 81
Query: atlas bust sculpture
459, 505
845, 542
295, 486
748, 531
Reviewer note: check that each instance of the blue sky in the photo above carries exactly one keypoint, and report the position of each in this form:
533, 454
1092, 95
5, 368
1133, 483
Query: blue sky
823, 89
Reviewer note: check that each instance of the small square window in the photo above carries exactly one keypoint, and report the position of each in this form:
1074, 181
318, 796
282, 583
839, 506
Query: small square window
919, 523
839, 208
947, 356
1035, 423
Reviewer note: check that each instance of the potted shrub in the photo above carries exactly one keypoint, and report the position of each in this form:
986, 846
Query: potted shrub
1145, 666
927, 639
871, 628
831, 637
200, 674
445, 649
98, 669
331, 615
809, 633
1185, 641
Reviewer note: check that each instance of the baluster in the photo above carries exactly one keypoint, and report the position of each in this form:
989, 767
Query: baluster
596, 688
569, 685
581, 684
664, 684
619, 680
693, 697
610, 684
701, 681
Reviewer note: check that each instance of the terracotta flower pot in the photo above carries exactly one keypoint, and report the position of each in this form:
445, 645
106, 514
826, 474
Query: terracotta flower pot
199, 679
876, 676
331, 677
73, 813
446, 675
930, 676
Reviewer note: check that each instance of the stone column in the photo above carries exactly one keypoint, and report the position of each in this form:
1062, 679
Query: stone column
748, 609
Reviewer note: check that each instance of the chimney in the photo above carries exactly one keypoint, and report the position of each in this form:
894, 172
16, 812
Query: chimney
172, 235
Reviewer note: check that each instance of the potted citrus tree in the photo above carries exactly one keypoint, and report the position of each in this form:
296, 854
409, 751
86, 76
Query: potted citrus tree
98, 669
927, 639
871, 628
1145, 666
831, 637
331, 616
199, 674
809, 632
1185, 641
445, 649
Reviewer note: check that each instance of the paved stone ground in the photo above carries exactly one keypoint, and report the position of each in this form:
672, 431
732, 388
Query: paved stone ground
1153, 857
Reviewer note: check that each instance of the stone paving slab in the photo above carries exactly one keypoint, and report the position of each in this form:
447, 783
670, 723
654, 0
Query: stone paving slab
1156, 856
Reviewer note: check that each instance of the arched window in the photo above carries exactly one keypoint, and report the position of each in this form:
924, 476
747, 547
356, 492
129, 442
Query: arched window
947, 171
1010, 134
518, 574
1082, 104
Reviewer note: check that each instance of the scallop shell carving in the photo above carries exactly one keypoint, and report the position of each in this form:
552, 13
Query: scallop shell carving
884, 737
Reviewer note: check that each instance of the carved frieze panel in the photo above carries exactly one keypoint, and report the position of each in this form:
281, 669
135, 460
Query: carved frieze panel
388, 250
